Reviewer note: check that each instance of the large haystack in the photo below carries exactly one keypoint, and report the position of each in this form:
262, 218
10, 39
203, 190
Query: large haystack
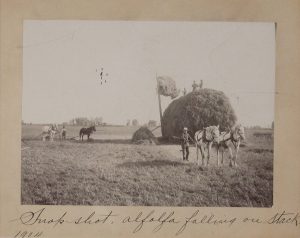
196, 110
143, 136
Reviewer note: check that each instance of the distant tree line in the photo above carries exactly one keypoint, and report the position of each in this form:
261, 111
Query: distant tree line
84, 121
135, 122
257, 127
152, 123
98, 121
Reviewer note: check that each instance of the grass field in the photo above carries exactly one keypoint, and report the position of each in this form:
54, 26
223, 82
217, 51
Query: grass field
116, 172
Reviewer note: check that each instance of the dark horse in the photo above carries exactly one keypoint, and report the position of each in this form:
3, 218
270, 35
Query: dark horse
86, 131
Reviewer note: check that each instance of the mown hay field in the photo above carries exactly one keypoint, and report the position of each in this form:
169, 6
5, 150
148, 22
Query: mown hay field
116, 172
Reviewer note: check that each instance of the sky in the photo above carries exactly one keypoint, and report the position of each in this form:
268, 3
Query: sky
62, 61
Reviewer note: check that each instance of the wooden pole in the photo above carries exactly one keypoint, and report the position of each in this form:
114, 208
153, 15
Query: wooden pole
159, 105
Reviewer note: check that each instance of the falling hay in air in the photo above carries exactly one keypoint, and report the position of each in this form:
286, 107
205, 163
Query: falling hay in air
167, 87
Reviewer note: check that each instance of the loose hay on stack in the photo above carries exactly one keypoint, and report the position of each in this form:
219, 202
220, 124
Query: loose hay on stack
198, 109
143, 136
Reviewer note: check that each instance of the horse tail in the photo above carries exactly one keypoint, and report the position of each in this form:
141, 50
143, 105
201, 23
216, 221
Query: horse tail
196, 138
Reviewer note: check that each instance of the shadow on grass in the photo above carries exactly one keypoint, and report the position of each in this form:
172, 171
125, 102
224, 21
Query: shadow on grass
151, 163
260, 150
159, 141
104, 141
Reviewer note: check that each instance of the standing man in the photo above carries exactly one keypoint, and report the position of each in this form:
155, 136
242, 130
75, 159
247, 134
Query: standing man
201, 84
63, 133
194, 86
186, 138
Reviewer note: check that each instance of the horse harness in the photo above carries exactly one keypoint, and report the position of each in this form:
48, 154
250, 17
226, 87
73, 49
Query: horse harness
232, 138
204, 137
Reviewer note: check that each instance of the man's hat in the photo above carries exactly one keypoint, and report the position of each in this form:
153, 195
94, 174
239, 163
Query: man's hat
185, 129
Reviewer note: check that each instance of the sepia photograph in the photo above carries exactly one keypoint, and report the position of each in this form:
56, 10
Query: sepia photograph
148, 113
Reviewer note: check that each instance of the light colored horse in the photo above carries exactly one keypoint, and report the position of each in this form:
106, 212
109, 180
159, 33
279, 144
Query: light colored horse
204, 139
235, 135
49, 132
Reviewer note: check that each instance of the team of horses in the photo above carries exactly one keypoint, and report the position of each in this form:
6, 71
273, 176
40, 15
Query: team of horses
49, 132
204, 139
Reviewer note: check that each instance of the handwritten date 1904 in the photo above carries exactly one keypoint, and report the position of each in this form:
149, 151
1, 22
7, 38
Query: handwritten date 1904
28, 234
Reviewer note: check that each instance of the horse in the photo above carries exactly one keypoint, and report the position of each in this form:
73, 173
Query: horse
234, 135
48, 132
86, 131
205, 138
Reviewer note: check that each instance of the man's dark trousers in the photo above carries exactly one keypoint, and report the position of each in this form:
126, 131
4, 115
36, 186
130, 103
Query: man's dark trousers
185, 151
